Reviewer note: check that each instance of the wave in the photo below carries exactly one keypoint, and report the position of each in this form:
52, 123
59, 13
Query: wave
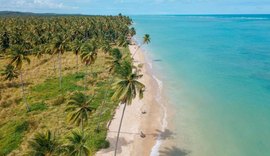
164, 124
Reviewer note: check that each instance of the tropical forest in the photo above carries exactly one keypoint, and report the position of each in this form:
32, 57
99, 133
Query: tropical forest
61, 79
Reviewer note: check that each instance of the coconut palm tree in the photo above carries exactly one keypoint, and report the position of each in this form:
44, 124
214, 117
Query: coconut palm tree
146, 40
18, 57
132, 31
4, 41
44, 144
114, 63
126, 89
10, 72
77, 48
76, 145
39, 51
59, 46
79, 108
88, 57
106, 47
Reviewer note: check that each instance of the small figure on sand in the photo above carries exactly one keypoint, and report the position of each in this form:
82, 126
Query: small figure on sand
144, 112
142, 135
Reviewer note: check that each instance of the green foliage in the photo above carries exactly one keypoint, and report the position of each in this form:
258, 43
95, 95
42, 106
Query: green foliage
21, 37
50, 88
102, 144
11, 135
79, 108
77, 144
44, 144
40, 106
10, 72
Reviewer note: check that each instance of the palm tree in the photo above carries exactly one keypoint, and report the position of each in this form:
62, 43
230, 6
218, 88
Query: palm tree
88, 57
18, 56
4, 41
77, 144
44, 144
132, 31
106, 47
77, 48
126, 89
79, 107
10, 72
114, 63
59, 46
38, 51
146, 40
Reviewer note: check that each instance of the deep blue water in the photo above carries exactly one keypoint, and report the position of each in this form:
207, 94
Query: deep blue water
216, 74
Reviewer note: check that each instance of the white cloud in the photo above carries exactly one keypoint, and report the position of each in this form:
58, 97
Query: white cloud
34, 4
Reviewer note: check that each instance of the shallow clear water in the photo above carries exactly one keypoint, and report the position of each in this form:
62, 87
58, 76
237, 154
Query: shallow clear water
216, 74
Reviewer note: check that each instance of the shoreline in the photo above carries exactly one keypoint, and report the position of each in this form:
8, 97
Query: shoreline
152, 124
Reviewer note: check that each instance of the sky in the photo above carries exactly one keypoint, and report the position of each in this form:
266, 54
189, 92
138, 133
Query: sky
134, 7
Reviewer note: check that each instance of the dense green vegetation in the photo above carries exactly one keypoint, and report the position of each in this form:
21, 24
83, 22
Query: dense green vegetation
56, 91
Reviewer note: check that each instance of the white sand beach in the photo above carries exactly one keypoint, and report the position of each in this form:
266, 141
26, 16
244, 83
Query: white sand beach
130, 142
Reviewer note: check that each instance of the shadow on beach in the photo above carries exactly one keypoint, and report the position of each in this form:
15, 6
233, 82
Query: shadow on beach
174, 151
121, 143
164, 135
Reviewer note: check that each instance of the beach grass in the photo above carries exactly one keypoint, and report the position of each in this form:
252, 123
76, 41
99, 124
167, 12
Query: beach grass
47, 103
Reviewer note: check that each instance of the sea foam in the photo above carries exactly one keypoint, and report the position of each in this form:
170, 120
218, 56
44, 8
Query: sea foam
164, 123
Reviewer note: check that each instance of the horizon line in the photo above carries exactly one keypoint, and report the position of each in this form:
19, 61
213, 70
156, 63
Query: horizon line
174, 14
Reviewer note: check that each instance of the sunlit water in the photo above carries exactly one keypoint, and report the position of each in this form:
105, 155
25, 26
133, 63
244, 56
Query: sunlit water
216, 75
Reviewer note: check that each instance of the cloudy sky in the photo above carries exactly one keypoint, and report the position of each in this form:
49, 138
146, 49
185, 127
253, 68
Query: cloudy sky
139, 6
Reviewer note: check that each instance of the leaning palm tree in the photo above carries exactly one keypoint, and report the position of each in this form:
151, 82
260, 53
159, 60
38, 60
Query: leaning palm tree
113, 63
79, 108
146, 40
44, 144
126, 89
77, 144
18, 57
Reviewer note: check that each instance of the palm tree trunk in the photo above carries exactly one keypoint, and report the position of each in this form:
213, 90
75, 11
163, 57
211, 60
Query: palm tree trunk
85, 76
60, 69
54, 66
119, 129
135, 52
77, 61
23, 94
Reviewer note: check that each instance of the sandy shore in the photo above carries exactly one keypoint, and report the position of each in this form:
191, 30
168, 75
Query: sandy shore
130, 142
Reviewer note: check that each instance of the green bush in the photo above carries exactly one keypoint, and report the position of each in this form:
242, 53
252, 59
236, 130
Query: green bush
11, 135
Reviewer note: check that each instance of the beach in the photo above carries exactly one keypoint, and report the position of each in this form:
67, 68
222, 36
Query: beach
135, 122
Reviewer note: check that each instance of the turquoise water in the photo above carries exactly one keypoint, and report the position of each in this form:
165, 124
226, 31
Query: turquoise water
216, 74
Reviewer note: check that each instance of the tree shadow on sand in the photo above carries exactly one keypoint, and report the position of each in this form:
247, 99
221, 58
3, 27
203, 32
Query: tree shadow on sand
121, 143
174, 151
164, 135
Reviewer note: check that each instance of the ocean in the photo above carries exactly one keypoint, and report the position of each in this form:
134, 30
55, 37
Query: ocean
215, 72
